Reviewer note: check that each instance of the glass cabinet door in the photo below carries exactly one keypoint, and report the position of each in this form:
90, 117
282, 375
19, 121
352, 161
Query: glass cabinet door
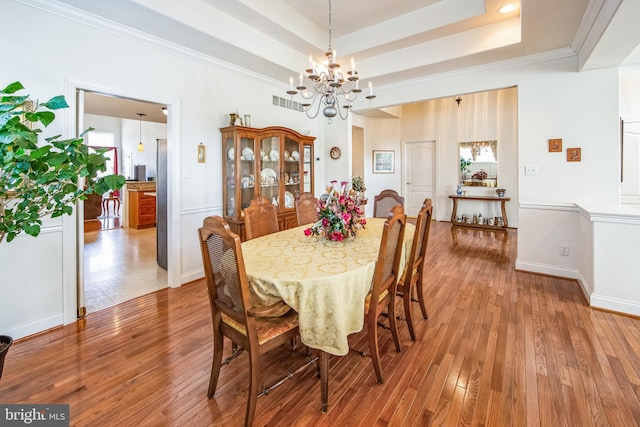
307, 169
247, 171
270, 167
230, 169
291, 173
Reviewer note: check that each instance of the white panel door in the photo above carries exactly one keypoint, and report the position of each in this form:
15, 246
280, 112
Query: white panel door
419, 174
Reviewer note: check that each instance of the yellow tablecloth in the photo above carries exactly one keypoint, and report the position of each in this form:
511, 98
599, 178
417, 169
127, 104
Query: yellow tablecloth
325, 282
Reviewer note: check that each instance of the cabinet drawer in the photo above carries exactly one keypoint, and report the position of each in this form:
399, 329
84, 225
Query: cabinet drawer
147, 201
147, 219
147, 210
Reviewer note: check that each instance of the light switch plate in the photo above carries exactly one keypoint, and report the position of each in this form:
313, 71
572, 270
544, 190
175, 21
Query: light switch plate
531, 170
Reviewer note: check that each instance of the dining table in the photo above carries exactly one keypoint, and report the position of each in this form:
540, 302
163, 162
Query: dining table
324, 281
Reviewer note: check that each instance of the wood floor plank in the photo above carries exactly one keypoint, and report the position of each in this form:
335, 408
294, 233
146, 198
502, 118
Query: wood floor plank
501, 347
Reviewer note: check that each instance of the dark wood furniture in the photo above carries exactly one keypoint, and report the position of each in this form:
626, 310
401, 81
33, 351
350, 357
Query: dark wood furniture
260, 218
306, 209
106, 201
413, 274
502, 201
383, 289
142, 209
383, 202
255, 329
273, 162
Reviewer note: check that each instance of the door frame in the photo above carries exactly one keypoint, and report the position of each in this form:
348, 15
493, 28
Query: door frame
405, 145
73, 230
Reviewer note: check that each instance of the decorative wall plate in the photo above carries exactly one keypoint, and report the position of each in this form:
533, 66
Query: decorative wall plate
334, 153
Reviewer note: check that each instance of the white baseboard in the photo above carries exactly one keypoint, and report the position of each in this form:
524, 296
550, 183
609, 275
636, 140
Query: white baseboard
550, 270
34, 327
614, 304
192, 276
586, 287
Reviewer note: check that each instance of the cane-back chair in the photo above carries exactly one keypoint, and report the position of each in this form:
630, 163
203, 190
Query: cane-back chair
260, 218
383, 289
412, 277
385, 201
306, 209
255, 329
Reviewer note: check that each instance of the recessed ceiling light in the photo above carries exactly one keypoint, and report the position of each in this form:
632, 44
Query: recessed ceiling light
509, 7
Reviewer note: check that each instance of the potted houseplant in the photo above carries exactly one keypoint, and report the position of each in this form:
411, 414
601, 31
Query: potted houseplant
357, 185
5, 343
41, 178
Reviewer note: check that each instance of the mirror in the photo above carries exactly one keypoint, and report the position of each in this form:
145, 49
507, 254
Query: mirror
479, 163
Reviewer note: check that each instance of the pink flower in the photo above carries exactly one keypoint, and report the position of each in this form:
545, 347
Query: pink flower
325, 222
363, 221
346, 217
307, 232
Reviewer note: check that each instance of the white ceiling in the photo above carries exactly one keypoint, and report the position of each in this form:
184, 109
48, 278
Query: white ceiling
390, 40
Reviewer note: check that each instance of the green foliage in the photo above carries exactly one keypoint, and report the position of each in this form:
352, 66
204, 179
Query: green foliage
42, 179
357, 184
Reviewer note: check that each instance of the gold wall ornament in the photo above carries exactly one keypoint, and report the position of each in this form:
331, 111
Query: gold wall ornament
202, 153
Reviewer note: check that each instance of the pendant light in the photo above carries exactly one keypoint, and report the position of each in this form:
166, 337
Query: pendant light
140, 145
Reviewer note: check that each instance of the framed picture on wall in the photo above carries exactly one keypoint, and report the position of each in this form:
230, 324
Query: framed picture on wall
383, 161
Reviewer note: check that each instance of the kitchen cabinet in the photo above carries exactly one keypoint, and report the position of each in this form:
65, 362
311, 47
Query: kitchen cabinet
142, 209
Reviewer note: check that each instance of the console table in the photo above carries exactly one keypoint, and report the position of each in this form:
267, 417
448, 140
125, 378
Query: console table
502, 201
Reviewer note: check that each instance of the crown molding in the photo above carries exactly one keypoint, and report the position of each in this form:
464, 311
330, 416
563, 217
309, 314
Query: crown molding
86, 18
520, 61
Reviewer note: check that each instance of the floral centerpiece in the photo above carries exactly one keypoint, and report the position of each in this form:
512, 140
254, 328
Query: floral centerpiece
339, 214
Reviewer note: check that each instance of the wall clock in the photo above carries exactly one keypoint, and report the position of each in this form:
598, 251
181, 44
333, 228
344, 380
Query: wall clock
334, 153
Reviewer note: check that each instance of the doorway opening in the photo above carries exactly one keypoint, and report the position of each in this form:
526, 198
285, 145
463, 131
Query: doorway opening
118, 252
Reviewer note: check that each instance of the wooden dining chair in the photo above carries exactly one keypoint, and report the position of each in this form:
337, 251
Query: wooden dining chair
306, 209
413, 274
260, 218
255, 329
383, 289
383, 202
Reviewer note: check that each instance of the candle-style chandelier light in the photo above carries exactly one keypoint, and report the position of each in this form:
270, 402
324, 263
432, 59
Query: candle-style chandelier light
330, 87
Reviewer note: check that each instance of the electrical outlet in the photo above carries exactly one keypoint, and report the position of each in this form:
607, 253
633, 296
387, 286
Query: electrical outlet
564, 250
531, 170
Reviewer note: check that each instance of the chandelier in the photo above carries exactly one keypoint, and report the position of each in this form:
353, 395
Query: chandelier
330, 87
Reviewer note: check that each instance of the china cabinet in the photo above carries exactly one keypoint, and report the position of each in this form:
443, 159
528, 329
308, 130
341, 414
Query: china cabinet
273, 162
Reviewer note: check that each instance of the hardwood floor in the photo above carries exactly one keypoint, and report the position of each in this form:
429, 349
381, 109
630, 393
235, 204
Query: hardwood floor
500, 348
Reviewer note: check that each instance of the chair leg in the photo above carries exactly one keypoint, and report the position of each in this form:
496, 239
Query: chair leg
254, 365
372, 332
421, 299
406, 298
216, 364
392, 321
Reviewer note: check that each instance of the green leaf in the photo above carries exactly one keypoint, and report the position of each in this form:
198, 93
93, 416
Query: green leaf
13, 87
45, 117
31, 230
114, 181
56, 103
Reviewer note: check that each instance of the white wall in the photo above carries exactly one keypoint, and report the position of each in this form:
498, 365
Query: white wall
554, 101
151, 132
201, 93
489, 115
